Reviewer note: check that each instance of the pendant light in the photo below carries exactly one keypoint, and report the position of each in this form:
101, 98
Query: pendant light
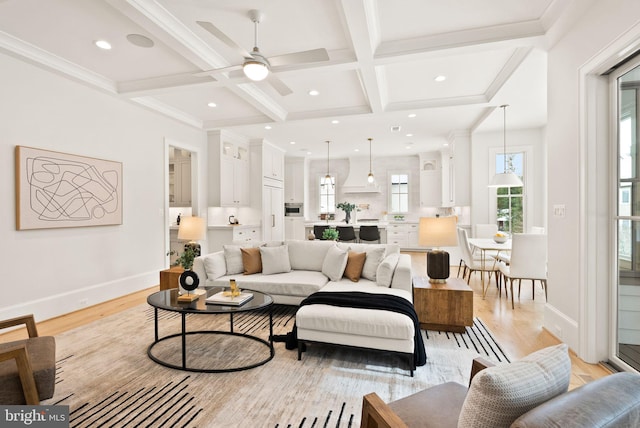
505, 178
327, 178
370, 176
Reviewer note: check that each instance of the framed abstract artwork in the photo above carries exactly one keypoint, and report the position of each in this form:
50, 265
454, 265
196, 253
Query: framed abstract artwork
63, 190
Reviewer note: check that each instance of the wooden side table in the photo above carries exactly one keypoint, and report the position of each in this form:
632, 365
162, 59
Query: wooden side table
169, 278
447, 306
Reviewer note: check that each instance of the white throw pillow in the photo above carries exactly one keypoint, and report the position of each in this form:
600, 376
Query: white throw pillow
384, 274
233, 259
499, 395
375, 256
334, 263
275, 259
214, 266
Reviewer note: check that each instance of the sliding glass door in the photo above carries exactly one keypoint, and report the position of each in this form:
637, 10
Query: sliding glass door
626, 348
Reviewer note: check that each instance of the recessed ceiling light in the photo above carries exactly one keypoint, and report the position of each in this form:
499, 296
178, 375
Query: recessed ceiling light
313, 92
412, 115
356, 150
446, 144
267, 127
335, 121
102, 44
409, 135
309, 153
292, 142
212, 104
140, 40
440, 78
408, 147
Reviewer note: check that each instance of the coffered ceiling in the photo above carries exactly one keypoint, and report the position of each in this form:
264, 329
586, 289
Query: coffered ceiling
383, 58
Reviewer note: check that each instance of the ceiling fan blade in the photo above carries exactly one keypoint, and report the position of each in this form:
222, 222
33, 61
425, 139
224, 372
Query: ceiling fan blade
279, 85
218, 70
314, 55
215, 31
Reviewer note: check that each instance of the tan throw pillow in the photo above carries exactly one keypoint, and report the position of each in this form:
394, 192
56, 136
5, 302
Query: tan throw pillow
251, 260
499, 395
355, 263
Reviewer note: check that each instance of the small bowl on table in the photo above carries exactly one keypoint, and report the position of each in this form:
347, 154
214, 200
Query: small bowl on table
500, 239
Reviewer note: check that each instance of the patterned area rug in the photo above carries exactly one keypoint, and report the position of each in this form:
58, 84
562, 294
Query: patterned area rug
106, 378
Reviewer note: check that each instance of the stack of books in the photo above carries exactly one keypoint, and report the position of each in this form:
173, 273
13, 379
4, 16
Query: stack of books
224, 298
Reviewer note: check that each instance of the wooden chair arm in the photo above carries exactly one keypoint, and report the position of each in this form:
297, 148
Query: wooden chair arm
377, 414
25, 371
477, 365
27, 320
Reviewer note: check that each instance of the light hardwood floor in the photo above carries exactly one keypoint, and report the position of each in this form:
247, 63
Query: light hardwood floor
518, 331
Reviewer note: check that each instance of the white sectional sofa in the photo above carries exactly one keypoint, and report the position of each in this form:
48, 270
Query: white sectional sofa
293, 270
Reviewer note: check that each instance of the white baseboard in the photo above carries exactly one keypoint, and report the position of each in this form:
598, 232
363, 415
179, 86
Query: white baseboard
64, 303
561, 326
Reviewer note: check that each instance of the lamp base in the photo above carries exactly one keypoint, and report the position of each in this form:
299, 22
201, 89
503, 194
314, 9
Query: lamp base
437, 266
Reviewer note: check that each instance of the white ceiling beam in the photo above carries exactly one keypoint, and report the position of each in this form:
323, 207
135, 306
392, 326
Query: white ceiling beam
363, 27
507, 71
167, 110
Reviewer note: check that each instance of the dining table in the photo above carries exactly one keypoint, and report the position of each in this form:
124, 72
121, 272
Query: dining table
484, 245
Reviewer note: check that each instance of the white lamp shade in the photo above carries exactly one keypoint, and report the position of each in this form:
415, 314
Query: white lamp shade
505, 179
192, 229
255, 70
438, 232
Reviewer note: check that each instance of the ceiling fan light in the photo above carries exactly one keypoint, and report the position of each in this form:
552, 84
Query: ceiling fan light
255, 70
505, 179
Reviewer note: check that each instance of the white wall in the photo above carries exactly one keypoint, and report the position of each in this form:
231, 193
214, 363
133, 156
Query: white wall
49, 272
593, 27
484, 143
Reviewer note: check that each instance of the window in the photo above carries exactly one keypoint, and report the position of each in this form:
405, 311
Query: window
327, 195
510, 200
399, 194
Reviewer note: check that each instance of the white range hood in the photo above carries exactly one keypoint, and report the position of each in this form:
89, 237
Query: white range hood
356, 181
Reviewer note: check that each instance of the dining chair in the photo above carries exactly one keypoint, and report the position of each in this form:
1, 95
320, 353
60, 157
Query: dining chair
369, 233
319, 230
473, 263
528, 261
346, 233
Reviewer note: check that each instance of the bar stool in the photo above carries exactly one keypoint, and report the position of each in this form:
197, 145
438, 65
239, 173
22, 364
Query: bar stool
369, 233
346, 233
319, 230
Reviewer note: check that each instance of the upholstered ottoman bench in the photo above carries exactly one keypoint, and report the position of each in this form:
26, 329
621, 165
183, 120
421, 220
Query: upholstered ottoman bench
376, 329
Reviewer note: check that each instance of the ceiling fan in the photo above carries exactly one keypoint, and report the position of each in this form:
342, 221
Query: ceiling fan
256, 66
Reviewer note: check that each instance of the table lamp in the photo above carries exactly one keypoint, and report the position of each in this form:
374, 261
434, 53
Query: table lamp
192, 229
437, 232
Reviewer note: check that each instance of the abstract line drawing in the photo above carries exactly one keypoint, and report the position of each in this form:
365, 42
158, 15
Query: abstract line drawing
63, 190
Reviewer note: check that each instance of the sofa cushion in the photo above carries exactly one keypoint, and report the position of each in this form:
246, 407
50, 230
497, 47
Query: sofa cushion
355, 263
251, 260
384, 274
308, 255
275, 259
499, 395
334, 263
214, 265
299, 283
372, 261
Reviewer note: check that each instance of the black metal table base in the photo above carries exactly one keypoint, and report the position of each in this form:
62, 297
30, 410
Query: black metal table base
183, 335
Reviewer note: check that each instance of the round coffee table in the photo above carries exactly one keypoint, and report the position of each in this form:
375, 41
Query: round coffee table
167, 300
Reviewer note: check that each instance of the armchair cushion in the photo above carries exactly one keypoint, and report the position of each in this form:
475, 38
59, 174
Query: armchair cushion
41, 351
499, 395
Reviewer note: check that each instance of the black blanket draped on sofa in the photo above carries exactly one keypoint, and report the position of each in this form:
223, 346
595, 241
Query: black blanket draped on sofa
358, 299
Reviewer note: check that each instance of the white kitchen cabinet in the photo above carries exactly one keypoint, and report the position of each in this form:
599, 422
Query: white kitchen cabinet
406, 235
294, 228
228, 171
272, 213
295, 179
448, 180
218, 236
180, 180
272, 162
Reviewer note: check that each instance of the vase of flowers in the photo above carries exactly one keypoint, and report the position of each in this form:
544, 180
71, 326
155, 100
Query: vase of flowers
347, 208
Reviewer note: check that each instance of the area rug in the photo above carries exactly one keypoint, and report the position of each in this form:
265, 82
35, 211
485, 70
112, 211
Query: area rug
106, 378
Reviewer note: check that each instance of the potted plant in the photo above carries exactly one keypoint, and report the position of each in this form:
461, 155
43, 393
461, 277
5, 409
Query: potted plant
347, 208
330, 235
185, 259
